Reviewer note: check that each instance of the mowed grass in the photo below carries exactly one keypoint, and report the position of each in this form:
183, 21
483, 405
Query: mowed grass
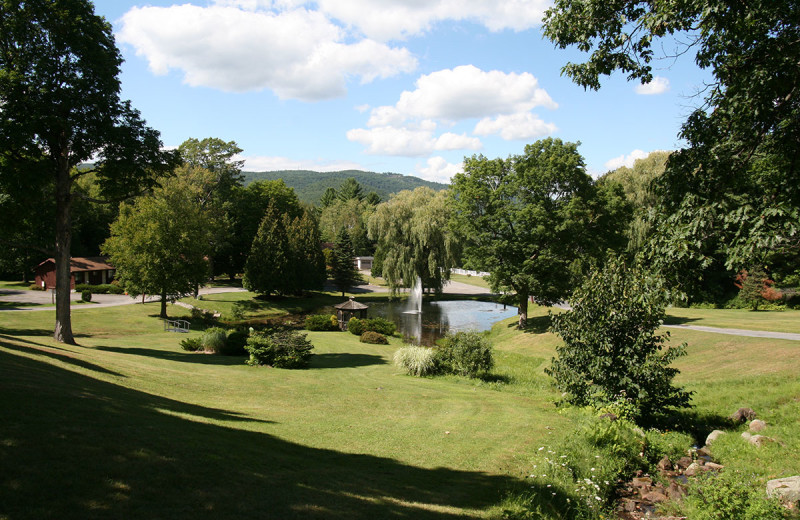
787, 320
129, 425
477, 281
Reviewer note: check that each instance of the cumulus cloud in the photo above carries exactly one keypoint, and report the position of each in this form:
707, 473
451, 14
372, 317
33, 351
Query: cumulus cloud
502, 102
392, 19
437, 169
626, 160
659, 85
266, 164
240, 46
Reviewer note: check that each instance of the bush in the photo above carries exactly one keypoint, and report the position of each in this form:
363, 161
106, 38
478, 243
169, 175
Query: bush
234, 346
321, 322
731, 496
374, 338
356, 326
611, 352
192, 344
214, 339
417, 361
284, 349
381, 326
36, 287
106, 288
86, 296
465, 353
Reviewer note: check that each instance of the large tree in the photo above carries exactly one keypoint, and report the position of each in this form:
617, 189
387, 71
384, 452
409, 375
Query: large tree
736, 186
159, 242
536, 221
414, 239
59, 93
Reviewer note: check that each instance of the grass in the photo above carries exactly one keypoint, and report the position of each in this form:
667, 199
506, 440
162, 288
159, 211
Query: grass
130, 425
471, 280
776, 321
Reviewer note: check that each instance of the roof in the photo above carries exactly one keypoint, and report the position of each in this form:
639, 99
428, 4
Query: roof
351, 305
79, 264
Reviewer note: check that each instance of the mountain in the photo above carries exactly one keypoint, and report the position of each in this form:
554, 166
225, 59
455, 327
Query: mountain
310, 185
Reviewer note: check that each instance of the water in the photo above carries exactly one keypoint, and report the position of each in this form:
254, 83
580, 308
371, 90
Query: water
435, 319
414, 303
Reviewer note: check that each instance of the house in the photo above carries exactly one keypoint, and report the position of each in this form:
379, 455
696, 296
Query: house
93, 270
363, 263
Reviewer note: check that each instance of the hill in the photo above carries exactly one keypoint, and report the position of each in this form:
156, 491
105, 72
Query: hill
310, 185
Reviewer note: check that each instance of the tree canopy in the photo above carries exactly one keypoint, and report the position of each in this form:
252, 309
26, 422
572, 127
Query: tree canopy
59, 92
536, 221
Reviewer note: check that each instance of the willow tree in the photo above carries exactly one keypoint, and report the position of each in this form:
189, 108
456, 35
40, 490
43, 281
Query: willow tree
414, 239
59, 93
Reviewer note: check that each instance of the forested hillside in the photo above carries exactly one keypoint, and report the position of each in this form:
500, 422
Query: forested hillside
310, 185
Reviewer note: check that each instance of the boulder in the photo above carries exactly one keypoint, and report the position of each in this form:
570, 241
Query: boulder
746, 435
757, 425
642, 482
693, 469
787, 490
654, 497
760, 440
665, 464
743, 414
713, 436
684, 462
713, 466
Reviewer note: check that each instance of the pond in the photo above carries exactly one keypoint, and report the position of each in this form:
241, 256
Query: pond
438, 318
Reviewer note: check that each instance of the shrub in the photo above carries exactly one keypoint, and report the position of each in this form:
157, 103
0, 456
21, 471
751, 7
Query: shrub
214, 340
465, 353
192, 344
86, 296
356, 326
731, 496
381, 326
375, 338
321, 322
417, 361
234, 346
284, 349
36, 287
611, 351
106, 288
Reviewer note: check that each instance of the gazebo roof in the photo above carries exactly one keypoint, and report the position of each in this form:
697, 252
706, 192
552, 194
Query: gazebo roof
351, 305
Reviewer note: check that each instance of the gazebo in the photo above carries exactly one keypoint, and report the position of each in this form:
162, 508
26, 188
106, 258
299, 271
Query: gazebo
350, 309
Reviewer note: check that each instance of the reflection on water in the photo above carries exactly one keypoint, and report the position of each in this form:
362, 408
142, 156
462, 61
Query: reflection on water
437, 318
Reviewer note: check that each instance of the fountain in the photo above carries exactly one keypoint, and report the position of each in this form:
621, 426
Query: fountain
415, 298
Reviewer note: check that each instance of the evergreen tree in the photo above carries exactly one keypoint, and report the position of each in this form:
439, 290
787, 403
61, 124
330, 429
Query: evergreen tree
307, 260
351, 189
329, 197
267, 268
345, 275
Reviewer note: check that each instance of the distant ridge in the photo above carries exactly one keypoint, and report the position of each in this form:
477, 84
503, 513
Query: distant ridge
310, 185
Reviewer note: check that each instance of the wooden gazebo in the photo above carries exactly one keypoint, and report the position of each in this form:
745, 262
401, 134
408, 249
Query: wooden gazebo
350, 309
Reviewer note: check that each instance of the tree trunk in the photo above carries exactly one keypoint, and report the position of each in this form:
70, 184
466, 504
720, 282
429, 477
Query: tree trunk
63, 328
164, 304
522, 310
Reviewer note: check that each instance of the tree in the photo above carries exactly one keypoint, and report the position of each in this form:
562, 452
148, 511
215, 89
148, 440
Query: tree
269, 262
414, 239
328, 198
217, 156
350, 189
159, 243
343, 270
735, 187
352, 215
307, 260
59, 92
611, 353
536, 222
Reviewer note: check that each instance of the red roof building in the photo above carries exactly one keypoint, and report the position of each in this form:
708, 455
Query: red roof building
94, 270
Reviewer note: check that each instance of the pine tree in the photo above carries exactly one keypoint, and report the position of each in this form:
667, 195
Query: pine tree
345, 274
307, 260
267, 269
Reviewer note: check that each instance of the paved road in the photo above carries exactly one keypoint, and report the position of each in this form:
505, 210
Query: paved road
741, 332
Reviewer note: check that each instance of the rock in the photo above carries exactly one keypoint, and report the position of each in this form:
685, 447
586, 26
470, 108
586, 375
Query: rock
760, 440
713, 466
654, 497
713, 436
684, 462
704, 452
665, 464
693, 469
642, 482
786, 489
746, 435
756, 425
676, 491
610, 416
628, 505
743, 414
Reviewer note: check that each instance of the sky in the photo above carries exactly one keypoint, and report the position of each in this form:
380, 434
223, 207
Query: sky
402, 86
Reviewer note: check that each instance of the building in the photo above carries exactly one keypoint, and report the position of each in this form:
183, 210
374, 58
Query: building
94, 271
364, 263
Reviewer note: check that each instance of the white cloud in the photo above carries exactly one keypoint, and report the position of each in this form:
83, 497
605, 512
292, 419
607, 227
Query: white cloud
524, 125
626, 160
392, 19
410, 142
235, 46
437, 169
659, 85
266, 164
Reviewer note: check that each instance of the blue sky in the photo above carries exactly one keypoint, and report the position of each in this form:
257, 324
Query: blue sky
405, 86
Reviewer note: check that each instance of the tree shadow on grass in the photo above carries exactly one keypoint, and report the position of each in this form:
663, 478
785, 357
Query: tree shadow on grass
535, 325
180, 356
345, 360
77, 447
52, 352
678, 320
697, 424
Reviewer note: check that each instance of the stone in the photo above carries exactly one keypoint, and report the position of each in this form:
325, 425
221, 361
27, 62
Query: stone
610, 416
743, 414
642, 482
760, 440
665, 464
628, 505
746, 435
684, 462
654, 497
713, 466
786, 489
757, 425
676, 491
693, 469
713, 436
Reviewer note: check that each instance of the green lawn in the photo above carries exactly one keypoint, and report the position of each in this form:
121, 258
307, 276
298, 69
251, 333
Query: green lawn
128, 425
472, 280
777, 321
